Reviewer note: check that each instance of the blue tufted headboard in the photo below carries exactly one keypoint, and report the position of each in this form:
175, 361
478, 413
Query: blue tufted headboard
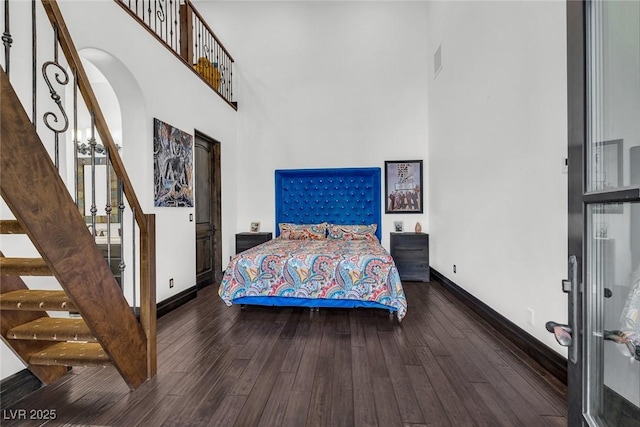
336, 196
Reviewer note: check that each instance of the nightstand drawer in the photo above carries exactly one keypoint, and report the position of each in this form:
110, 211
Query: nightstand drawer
246, 241
410, 252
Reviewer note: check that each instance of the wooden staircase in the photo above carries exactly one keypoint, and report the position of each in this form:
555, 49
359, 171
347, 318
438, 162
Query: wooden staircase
44, 340
107, 332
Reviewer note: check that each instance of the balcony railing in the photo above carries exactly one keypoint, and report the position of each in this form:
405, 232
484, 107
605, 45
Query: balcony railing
180, 27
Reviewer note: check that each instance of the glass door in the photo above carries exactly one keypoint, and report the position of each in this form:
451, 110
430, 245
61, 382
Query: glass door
611, 206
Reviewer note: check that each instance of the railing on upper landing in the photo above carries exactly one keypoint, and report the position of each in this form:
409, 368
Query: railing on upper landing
179, 26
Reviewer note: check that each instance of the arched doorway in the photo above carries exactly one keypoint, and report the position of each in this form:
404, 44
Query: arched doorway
121, 103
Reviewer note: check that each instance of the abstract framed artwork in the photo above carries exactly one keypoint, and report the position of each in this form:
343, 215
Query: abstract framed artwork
172, 166
403, 186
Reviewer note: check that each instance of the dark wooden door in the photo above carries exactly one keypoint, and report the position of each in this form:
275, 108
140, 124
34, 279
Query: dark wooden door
207, 209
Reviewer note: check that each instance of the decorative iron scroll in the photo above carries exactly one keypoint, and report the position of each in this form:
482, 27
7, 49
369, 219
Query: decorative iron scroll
159, 10
55, 96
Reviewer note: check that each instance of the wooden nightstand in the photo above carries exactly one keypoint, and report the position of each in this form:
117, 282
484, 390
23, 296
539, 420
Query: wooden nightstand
410, 252
245, 241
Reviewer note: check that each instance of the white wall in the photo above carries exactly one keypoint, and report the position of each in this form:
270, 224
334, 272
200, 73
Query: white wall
497, 137
323, 84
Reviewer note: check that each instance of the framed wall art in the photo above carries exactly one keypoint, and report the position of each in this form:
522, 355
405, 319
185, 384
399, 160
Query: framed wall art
403, 186
172, 166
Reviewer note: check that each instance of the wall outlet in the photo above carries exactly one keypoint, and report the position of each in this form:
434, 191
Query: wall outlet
170, 283
532, 316
454, 268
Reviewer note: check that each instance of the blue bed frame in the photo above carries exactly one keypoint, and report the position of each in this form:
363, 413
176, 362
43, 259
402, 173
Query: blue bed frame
337, 196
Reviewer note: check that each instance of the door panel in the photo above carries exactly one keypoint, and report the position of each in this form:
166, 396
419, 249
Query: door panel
204, 227
207, 210
613, 317
611, 383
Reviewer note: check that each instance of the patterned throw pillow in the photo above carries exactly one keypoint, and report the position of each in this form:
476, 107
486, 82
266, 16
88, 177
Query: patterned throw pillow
353, 232
303, 231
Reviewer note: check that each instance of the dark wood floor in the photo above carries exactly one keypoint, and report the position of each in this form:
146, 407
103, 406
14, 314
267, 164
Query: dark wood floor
441, 366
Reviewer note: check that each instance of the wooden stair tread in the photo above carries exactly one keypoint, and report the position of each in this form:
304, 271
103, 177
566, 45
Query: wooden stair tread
24, 267
36, 300
71, 354
11, 226
52, 329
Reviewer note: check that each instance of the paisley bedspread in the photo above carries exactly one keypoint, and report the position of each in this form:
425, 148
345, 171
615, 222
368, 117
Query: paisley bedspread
346, 270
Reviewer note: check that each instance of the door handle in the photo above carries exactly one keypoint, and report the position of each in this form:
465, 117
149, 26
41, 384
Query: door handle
561, 332
620, 337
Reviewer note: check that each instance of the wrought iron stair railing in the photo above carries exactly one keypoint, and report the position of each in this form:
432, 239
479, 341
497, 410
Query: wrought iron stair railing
45, 211
178, 25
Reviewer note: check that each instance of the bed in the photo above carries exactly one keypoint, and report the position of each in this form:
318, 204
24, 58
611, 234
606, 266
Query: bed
327, 250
